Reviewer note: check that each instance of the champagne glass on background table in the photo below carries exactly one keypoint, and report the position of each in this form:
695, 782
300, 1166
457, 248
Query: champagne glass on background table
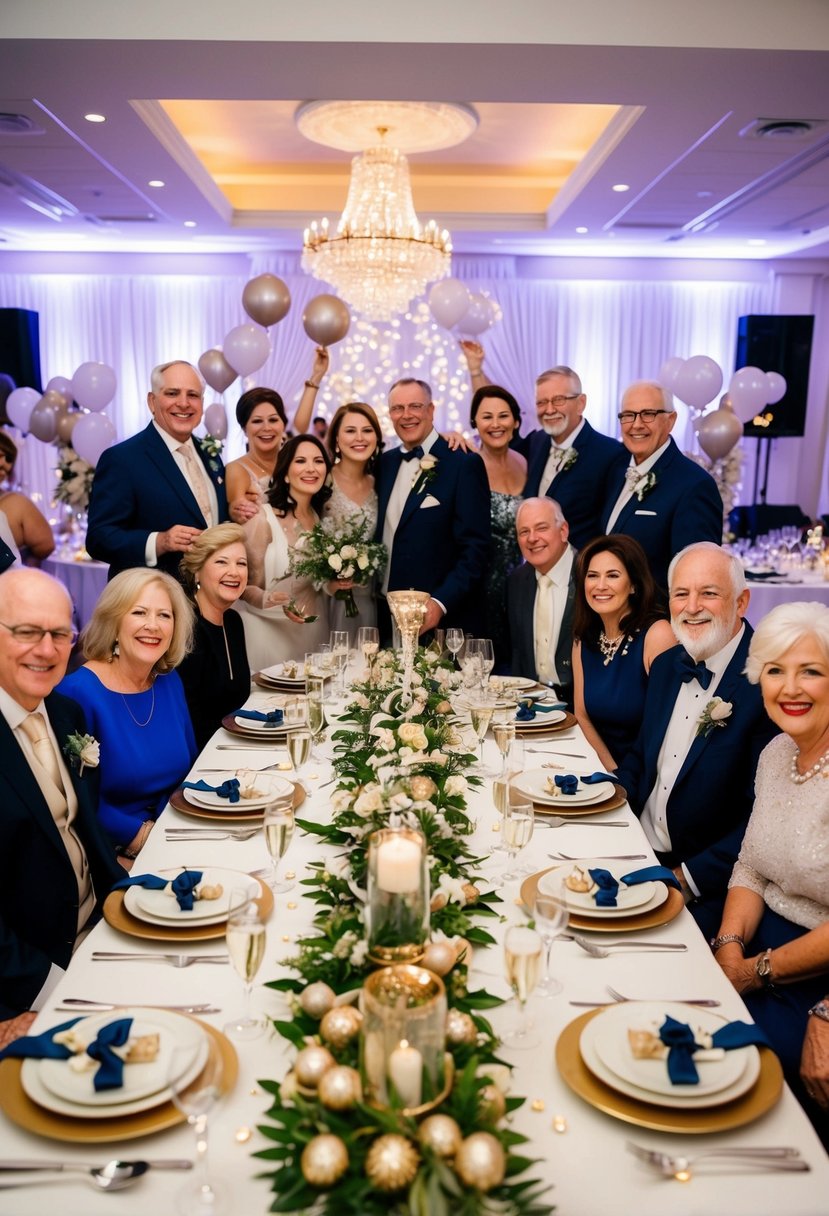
522, 959
195, 1099
339, 653
454, 641
551, 915
299, 749
368, 643
503, 731
245, 938
487, 660
279, 823
516, 828
481, 710
315, 701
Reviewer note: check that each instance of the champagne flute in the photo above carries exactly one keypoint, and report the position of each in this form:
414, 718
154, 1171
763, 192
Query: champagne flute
551, 915
471, 664
279, 832
315, 701
516, 828
486, 660
195, 1099
480, 714
522, 957
299, 749
339, 653
454, 641
368, 643
245, 938
504, 735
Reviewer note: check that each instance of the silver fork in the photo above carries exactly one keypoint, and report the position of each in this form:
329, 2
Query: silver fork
601, 857
557, 821
78, 1002
604, 951
772, 1158
211, 833
176, 960
267, 768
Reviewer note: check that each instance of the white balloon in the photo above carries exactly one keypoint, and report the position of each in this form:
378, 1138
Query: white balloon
448, 302
477, 317
93, 434
246, 348
19, 405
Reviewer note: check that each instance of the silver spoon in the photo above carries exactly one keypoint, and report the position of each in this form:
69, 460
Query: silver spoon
114, 1176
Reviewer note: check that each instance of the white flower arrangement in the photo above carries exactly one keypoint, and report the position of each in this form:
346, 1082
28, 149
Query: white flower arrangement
716, 713
75, 479
82, 751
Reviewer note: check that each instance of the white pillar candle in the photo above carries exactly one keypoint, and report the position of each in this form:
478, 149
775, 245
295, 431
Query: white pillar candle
406, 1073
398, 866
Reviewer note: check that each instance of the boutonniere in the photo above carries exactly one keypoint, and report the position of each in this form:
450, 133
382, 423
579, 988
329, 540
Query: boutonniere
427, 472
570, 458
212, 448
716, 713
82, 751
645, 485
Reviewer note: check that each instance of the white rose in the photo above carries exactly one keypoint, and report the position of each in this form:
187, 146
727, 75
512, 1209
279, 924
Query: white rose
347, 571
335, 561
720, 710
91, 754
413, 734
348, 551
362, 562
400, 802
369, 801
385, 739
456, 785
453, 888
341, 800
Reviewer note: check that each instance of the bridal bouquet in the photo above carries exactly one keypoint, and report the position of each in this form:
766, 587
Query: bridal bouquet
344, 551
75, 479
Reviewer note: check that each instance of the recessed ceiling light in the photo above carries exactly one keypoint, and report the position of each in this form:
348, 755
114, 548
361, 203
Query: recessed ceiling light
156, 183
581, 230
757, 241
95, 117
620, 188
189, 223
705, 193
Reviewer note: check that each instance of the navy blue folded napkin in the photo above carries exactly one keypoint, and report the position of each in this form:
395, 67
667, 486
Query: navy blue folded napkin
272, 718
527, 709
678, 1037
605, 897
228, 789
182, 885
110, 1073
568, 783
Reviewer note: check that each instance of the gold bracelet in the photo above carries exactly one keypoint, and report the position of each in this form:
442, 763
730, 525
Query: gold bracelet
310, 384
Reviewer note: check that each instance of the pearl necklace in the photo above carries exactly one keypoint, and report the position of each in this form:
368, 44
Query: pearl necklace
821, 766
609, 646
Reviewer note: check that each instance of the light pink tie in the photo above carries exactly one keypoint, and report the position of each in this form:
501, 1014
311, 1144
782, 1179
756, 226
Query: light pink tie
195, 477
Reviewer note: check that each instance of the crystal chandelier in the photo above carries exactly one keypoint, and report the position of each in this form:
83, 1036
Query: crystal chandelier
380, 257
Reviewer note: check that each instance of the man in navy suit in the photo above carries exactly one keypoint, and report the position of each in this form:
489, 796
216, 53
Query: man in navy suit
433, 515
540, 595
154, 493
55, 864
567, 459
690, 775
662, 499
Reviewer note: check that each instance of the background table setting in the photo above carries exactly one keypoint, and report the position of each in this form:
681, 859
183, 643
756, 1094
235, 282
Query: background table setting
586, 1096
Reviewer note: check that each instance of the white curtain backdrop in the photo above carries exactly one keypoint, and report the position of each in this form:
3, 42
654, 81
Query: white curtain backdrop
611, 332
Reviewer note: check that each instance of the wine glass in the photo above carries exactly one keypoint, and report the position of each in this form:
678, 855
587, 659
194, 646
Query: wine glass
245, 938
551, 915
516, 828
454, 641
522, 957
480, 714
486, 660
279, 825
368, 643
471, 664
339, 653
195, 1099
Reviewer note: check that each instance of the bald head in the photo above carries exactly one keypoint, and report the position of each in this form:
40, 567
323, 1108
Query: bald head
31, 666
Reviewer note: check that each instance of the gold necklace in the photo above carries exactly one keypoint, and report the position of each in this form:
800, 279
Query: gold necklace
132, 715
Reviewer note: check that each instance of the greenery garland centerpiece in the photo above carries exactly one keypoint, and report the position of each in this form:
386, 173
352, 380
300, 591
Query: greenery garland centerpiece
335, 1153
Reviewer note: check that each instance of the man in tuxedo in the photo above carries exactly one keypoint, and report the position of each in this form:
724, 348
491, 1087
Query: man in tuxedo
55, 864
154, 493
662, 499
566, 459
433, 516
690, 774
540, 597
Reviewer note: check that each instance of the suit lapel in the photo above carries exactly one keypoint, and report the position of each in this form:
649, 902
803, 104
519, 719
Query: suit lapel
20, 776
390, 464
163, 459
413, 501
660, 470
216, 476
728, 688
540, 452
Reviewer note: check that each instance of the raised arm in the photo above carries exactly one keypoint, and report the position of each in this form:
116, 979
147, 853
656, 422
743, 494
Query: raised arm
308, 400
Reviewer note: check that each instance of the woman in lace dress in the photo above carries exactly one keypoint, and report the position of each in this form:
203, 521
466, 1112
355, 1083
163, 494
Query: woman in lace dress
773, 942
276, 606
495, 414
355, 442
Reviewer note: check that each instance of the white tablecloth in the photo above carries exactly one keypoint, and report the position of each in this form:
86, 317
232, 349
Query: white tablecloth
83, 580
587, 1166
765, 596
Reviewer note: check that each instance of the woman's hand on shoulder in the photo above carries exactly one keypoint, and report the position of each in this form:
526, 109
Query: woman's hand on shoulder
456, 439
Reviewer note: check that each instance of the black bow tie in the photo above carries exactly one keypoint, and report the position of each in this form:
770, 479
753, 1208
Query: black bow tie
414, 454
689, 670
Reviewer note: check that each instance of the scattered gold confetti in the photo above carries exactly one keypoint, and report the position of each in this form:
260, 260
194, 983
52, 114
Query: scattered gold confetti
291, 903
284, 766
559, 1123
290, 873
254, 1093
286, 937
538, 1104
496, 827
314, 776
243, 1134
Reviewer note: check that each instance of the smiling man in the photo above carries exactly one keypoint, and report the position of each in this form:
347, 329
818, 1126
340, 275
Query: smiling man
540, 597
690, 775
155, 493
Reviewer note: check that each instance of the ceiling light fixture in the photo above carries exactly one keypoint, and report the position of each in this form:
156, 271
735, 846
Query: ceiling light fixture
95, 117
156, 183
620, 188
581, 230
190, 224
380, 257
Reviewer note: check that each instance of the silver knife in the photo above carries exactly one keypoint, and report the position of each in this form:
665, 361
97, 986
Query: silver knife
180, 1163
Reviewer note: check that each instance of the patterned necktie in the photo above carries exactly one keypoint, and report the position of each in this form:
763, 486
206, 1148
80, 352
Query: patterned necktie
35, 728
544, 628
195, 477
688, 669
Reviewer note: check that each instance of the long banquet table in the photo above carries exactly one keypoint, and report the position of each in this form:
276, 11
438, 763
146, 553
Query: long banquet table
587, 1164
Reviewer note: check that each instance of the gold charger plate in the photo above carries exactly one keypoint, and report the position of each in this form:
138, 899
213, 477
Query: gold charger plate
554, 728
611, 803
180, 803
20, 1108
762, 1096
636, 922
116, 914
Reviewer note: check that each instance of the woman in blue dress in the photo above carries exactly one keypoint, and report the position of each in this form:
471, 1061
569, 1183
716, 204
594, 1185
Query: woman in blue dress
617, 633
134, 701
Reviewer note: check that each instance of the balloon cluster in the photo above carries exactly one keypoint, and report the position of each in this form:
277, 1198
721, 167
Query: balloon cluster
454, 306
53, 417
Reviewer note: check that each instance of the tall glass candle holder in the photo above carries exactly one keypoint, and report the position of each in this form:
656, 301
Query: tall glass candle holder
408, 609
397, 905
403, 1059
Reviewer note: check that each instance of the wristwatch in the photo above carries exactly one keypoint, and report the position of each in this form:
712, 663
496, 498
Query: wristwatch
762, 969
821, 1010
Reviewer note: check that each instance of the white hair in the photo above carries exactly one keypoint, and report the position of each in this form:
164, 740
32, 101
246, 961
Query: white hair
158, 372
784, 627
665, 394
735, 566
558, 514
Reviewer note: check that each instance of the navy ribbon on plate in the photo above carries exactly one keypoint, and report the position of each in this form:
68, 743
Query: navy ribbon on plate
228, 789
182, 885
568, 783
605, 897
528, 709
272, 718
110, 1073
678, 1037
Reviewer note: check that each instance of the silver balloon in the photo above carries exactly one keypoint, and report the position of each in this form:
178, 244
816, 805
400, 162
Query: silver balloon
216, 370
326, 320
266, 299
719, 431
43, 423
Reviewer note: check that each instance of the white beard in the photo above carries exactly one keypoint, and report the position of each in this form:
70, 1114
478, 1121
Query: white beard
703, 646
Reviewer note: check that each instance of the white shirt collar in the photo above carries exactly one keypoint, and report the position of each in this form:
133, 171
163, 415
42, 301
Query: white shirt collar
649, 461
13, 711
567, 443
559, 574
172, 444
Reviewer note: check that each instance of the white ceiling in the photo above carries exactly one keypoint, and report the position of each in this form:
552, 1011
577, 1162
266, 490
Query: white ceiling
700, 185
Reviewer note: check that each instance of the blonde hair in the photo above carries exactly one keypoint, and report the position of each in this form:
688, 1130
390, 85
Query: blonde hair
118, 597
204, 546
783, 628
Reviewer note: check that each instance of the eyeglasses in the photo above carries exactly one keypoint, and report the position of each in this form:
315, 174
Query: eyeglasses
556, 402
32, 635
417, 407
628, 417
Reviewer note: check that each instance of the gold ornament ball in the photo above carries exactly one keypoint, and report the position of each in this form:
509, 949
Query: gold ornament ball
311, 1064
480, 1161
441, 1134
324, 1160
492, 1104
340, 1088
392, 1162
339, 1026
460, 1028
317, 999
439, 957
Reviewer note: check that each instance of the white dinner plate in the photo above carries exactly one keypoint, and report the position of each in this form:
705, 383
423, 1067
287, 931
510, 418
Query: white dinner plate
270, 785
260, 728
161, 908
533, 783
542, 721
53, 1085
504, 685
659, 896
628, 899
278, 673
609, 1042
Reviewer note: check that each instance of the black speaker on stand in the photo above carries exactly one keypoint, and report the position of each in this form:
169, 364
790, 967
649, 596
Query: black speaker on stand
20, 347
